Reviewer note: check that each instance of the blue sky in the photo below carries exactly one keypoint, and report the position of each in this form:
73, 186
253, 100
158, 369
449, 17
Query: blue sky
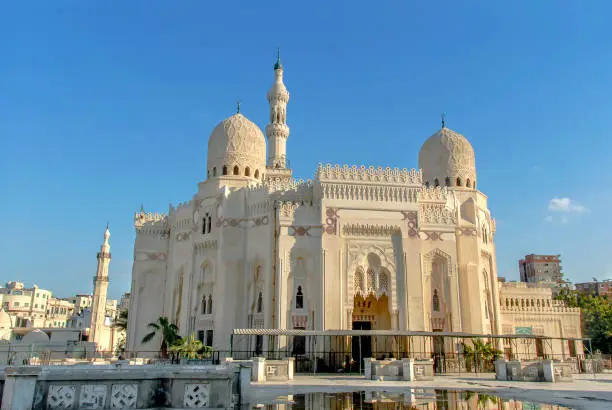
105, 105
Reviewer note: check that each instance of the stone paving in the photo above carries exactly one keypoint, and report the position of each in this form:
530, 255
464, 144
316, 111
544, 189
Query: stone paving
587, 391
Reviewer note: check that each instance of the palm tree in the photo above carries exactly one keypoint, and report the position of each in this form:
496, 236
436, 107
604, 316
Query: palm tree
188, 347
168, 331
121, 321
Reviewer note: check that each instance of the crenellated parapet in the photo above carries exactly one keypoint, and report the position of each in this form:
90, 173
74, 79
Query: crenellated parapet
150, 223
182, 206
434, 194
380, 175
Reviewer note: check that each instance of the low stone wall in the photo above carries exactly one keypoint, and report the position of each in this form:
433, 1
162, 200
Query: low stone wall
123, 387
391, 369
533, 371
263, 370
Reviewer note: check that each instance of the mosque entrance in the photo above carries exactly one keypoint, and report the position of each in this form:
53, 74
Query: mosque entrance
361, 346
370, 313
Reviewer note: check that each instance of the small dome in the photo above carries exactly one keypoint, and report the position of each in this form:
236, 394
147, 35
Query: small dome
236, 147
447, 158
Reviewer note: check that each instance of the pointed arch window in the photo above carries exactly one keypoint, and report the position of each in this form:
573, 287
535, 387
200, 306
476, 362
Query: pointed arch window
203, 308
426, 184
209, 309
209, 223
436, 301
259, 303
436, 182
247, 172
447, 181
224, 169
236, 170
468, 183
214, 171
458, 181
299, 298
256, 175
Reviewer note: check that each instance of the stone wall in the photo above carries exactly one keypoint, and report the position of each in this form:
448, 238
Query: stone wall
110, 387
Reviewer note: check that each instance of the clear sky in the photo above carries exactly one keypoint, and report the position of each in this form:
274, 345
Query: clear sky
105, 105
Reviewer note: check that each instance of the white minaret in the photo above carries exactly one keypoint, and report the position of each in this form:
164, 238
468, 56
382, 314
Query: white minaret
98, 308
277, 130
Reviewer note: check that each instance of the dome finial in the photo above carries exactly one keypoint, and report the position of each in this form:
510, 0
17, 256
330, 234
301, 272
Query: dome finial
443, 120
238, 107
278, 64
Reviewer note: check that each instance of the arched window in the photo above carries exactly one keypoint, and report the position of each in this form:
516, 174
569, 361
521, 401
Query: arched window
236, 170
247, 172
468, 183
426, 184
447, 181
209, 310
299, 298
436, 182
203, 305
224, 169
256, 175
259, 303
436, 301
486, 309
206, 224
458, 181
214, 171
209, 223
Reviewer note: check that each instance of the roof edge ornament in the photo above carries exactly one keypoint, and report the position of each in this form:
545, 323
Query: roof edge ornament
278, 65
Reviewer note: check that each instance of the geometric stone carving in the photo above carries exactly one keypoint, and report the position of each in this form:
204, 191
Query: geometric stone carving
196, 395
93, 396
60, 397
124, 396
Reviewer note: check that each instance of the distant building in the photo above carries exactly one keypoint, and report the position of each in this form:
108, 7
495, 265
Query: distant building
596, 288
541, 268
80, 301
27, 305
124, 304
59, 312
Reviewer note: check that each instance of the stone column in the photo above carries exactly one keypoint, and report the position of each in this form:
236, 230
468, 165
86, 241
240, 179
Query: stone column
408, 369
258, 371
548, 370
19, 387
500, 370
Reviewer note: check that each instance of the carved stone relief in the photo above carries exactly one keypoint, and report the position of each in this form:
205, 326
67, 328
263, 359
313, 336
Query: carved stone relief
411, 218
196, 395
124, 396
93, 396
61, 396
244, 223
433, 236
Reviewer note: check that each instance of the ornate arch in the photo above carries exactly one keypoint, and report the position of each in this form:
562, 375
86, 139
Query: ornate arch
439, 254
383, 275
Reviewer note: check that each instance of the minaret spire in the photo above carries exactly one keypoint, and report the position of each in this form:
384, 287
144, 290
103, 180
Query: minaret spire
98, 307
277, 130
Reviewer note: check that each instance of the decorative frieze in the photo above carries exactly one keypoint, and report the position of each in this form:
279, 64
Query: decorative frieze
61, 396
204, 245
304, 230
378, 193
196, 395
433, 194
331, 221
151, 256
299, 321
244, 223
437, 214
432, 235
93, 396
411, 218
469, 231
124, 396
370, 230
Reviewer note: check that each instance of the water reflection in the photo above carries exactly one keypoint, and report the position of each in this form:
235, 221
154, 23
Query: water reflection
411, 400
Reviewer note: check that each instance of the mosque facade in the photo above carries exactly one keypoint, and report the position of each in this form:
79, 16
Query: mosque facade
354, 248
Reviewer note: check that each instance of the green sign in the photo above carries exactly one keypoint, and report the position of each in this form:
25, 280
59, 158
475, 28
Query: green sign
524, 331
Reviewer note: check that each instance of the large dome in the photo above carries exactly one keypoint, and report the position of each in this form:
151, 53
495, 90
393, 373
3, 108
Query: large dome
236, 147
447, 158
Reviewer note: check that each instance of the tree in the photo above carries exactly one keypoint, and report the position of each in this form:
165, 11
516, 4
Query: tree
596, 313
168, 332
121, 321
190, 348
480, 353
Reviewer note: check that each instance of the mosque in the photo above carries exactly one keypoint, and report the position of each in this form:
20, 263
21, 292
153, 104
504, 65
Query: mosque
354, 248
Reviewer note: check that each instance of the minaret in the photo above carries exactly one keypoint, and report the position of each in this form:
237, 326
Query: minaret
277, 130
98, 307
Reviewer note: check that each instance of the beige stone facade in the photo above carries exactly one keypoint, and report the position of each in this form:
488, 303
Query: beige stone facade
355, 247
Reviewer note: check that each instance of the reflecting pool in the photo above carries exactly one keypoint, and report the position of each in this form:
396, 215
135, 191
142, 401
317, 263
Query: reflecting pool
411, 399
